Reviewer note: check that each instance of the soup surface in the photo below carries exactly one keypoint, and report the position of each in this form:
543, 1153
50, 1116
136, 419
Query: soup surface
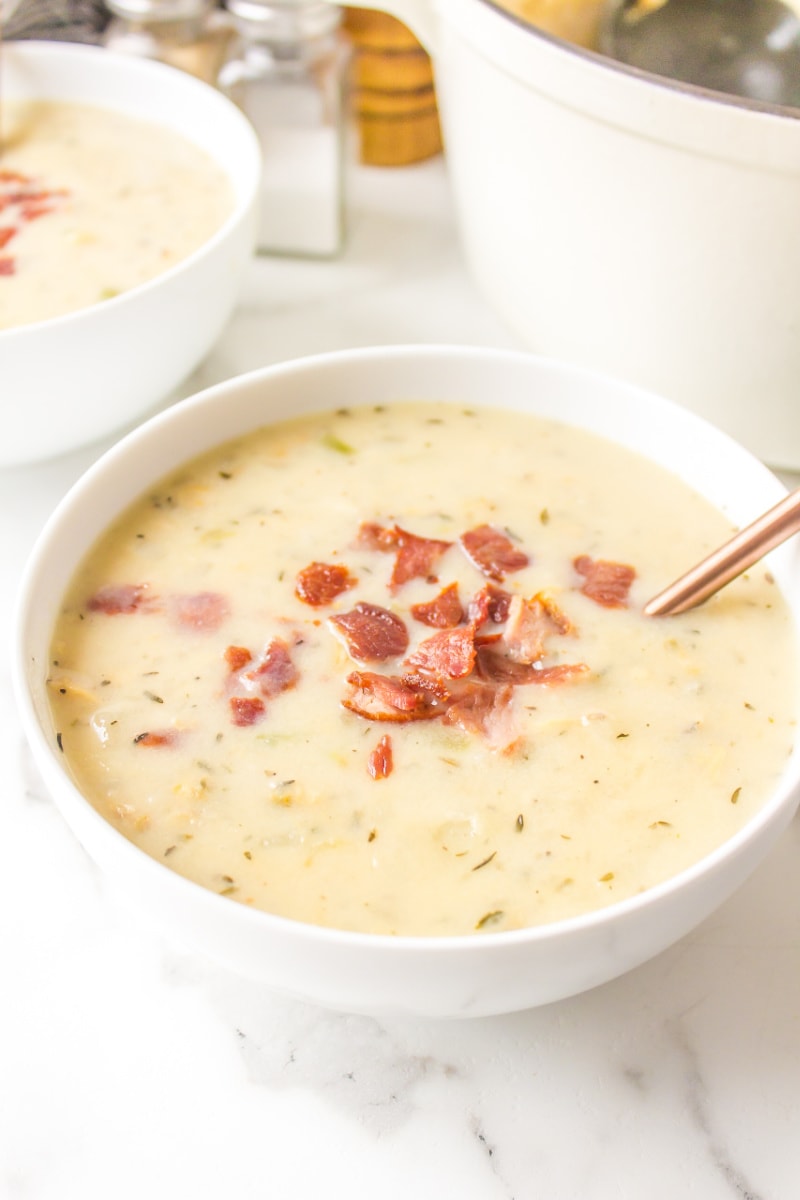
386, 669
93, 203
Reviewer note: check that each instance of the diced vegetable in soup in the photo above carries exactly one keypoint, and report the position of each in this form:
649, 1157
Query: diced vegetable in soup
93, 203
386, 669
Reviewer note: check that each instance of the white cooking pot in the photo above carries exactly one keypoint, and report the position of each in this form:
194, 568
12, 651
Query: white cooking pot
645, 228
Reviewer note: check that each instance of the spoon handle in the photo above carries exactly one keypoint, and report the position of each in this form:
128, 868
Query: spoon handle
730, 560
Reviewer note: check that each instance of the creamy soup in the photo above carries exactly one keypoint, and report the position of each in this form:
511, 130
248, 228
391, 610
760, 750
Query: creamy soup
386, 669
93, 203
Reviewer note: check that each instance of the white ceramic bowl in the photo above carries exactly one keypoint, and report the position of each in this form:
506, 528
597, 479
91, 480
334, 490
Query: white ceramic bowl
441, 976
73, 379
637, 226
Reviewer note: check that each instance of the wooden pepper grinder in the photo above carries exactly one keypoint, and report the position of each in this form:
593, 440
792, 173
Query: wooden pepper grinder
393, 91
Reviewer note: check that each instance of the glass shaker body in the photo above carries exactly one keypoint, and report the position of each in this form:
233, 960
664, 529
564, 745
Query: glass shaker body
288, 72
189, 34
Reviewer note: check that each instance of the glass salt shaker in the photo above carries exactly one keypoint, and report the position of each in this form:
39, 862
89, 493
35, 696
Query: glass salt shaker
288, 72
190, 34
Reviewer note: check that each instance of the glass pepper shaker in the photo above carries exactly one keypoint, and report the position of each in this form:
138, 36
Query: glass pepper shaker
189, 34
288, 71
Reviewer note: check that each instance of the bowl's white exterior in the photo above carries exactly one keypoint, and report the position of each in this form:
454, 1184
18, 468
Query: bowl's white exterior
73, 379
642, 228
435, 977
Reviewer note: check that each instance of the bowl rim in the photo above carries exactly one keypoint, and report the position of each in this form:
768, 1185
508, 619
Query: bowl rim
779, 806
244, 187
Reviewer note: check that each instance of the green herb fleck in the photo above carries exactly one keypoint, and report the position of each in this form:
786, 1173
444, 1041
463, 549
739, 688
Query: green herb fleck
520, 823
544, 517
59, 742
335, 443
485, 862
152, 696
735, 795
490, 918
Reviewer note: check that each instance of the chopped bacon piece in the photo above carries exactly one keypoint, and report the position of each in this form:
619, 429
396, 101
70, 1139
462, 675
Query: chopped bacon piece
246, 710
416, 557
443, 612
450, 653
163, 737
371, 633
489, 604
607, 583
31, 210
372, 536
6, 234
436, 689
381, 761
117, 598
492, 552
7, 265
237, 657
275, 671
320, 583
497, 668
530, 624
203, 611
485, 709
389, 698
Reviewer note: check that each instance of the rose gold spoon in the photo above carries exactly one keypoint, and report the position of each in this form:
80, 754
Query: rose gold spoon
735, 556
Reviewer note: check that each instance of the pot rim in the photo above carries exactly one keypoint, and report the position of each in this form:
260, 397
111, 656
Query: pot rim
709, 95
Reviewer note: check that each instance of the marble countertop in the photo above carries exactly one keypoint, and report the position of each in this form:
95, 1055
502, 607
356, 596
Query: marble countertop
130, 1068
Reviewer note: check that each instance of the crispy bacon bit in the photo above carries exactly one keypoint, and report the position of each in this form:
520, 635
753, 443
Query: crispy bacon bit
497, 668
443, 612
434, 688
320, 583
389, 698
492, 552
163, 737
607, 583
381, 762
530, 624
275, 672
371, 633
450, 653
19, 192
372, 536
489, 604
246, 710
118, 598
203, 611
237, 658
484, 709
416, 557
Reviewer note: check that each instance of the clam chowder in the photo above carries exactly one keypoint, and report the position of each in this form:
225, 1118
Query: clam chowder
386, 669
93, 203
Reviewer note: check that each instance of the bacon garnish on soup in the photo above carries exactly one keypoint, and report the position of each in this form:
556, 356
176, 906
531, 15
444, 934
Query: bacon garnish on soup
370, 632
493, 552
320, 583
607, 583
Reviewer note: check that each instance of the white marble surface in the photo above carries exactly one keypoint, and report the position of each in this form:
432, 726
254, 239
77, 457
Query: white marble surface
129, 1068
